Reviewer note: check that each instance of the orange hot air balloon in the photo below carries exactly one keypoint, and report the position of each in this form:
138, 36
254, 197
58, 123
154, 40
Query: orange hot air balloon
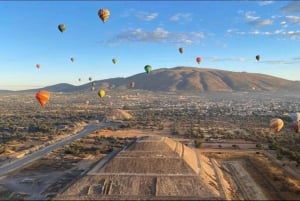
181, 49
132, 84
198, 59
104, 14
276, 124
43, 97
38, 66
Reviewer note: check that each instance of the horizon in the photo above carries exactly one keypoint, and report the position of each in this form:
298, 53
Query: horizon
228, 37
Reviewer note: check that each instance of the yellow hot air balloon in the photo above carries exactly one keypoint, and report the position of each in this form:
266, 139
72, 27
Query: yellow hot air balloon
104, 14
101, 93
276, 124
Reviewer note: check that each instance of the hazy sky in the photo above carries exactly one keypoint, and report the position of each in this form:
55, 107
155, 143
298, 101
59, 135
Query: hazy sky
225, 34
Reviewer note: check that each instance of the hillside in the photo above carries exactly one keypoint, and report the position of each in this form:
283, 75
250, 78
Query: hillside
187, 79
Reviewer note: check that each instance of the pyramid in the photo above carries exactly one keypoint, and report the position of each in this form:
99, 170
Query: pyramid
150, 168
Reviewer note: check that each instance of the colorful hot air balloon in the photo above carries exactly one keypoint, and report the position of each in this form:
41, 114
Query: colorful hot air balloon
198, 59
38, 66
276, 124
132, 84
295, 116
104, 14
72, 59
43, 97
114, 60
296, 126
101, 93
257, 57
181, 50
148, 68
62, 27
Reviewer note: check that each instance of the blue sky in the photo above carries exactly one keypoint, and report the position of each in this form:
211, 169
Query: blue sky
225, 34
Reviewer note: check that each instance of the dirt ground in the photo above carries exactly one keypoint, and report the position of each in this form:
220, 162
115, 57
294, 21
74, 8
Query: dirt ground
225, 173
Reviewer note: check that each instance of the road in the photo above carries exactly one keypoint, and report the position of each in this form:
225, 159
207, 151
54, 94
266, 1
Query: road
9, 167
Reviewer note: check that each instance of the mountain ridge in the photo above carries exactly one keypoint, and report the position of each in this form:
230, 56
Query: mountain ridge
182, 78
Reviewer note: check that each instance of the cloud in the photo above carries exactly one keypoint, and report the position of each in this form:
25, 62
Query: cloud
293, 19
158, 35
265, 22
265, 3
284, 24
218, 59
250, 16
139, 14
180, 16
255, 20
146, 16
293, 6
291, 34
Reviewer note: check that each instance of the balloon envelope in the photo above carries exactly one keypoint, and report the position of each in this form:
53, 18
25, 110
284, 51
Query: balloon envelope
181, 50
114, 60
104, 14
198, 59
38, 66
148, 68
295, 116
62, 27
72, 59
296, 126
43, 97
132, 84
101, 93
257, 57
276, 124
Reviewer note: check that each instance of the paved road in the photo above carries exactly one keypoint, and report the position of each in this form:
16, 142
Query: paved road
9, 167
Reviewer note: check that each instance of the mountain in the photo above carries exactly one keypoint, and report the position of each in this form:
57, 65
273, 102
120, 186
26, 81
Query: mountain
189, 79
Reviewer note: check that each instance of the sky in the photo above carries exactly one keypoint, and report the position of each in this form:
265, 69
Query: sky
226, 35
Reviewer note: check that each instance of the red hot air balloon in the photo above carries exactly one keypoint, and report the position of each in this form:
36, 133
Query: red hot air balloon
198, 59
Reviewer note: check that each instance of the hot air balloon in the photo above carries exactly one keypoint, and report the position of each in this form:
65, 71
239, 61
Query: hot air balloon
257, 57
296, 126
276, 124
114, 60
93, 84
62, 27
79, 79
295, 116
148, 68
43, 97
198, 59
90, 78
38, 66
101, 93
104, 14
72, 59
181, 50
132, 84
